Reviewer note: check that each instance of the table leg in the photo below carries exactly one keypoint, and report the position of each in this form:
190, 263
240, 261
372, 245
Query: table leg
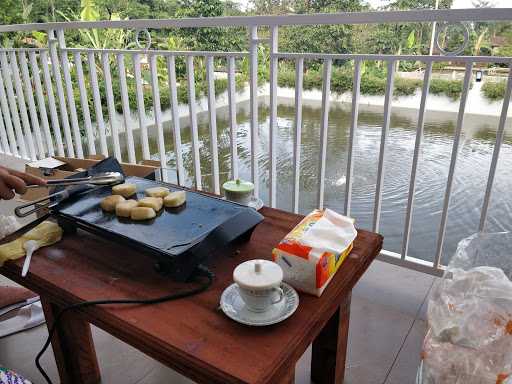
330, 348
73, 347
289, 377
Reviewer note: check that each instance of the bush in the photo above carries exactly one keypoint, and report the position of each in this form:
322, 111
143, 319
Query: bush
341, 81
494, 90
406, 87
373, 85
286, 78
450, 88
312, 80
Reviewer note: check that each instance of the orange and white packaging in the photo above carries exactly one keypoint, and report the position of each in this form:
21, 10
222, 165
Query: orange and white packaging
313, 251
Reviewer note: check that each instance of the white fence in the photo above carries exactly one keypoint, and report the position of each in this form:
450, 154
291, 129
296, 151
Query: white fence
39, 112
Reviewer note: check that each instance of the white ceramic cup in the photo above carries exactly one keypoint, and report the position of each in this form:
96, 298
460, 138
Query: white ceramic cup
261, 300
259, 284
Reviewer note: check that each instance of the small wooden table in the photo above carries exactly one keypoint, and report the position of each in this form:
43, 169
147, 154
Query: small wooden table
190, 335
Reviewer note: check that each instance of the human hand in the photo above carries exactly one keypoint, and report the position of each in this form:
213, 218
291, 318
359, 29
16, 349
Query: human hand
12, 181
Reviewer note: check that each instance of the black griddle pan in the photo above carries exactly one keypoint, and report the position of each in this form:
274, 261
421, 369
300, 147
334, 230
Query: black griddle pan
180, 237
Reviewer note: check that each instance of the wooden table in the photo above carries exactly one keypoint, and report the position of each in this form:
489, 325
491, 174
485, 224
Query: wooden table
190, 335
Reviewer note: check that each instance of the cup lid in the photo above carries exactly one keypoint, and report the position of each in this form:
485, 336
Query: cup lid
238, 185
258, 274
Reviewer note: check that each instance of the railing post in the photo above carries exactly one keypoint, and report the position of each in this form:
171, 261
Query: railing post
84, 101
192, 110
121, 70
41, 103
453, 163
273, 112
100, 122
232, 116
69, 93
383, 142
141, 110
11, 99
299, 80
158, 113
212, 113
324, 127
29, 98
253, 83
3, 135
52, 107
7, 119
15, 70
173, 89
52, 43
356, 85
415, 160
114, 132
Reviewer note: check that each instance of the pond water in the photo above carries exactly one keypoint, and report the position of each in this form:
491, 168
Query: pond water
473, 164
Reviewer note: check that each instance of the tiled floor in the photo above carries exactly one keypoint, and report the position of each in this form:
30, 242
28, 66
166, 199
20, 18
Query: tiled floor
387, 325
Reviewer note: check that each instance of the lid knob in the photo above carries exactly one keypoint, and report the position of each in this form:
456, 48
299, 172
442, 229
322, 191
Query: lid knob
257, 267
237, 181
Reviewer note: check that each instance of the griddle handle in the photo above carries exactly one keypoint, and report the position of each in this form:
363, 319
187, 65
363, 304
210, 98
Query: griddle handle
35, 205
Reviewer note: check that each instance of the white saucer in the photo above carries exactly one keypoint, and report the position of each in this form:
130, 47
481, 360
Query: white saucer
233, 306
255, 203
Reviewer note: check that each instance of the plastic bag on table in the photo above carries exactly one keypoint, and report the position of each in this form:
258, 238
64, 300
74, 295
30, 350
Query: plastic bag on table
470, 315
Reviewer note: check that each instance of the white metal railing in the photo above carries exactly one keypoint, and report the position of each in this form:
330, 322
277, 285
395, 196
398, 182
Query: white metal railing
39, 117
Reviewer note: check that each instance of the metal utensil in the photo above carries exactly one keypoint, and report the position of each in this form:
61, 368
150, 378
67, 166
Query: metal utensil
39, 204
106, 178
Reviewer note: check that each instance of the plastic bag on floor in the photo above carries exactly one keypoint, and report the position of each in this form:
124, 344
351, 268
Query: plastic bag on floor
470, 316
8, 225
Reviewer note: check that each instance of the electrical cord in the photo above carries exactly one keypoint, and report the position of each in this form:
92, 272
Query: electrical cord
202, 271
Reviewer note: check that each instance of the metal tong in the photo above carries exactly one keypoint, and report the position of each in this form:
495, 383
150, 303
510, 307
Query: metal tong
107, 178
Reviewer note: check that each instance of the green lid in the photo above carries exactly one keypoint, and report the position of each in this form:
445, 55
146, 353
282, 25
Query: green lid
238, 186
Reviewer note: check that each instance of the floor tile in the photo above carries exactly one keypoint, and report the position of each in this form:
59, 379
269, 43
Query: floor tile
398, 287
376, 334
405, 368
163, 375
120, 363
422, 315
303, 368
18, 352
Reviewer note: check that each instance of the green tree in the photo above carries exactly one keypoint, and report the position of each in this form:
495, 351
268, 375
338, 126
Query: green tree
209, 39
482, 29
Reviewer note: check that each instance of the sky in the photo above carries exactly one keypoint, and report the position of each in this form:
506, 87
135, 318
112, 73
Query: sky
377, 3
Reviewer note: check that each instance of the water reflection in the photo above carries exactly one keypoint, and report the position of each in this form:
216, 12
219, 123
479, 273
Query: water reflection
470, 177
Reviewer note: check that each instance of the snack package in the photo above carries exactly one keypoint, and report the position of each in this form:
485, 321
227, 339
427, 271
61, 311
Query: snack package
313, 251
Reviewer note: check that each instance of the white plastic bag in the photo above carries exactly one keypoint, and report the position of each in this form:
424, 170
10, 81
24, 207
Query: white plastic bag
470, 316
8, 225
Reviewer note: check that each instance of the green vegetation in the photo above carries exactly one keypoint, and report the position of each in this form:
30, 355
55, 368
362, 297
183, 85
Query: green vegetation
409, 38
371, 83
451, 88
494, 90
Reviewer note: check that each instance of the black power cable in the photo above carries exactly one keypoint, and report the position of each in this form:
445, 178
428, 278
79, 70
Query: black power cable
202, 271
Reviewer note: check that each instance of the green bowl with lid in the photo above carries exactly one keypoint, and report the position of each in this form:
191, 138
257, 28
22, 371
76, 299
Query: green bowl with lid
238, 190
